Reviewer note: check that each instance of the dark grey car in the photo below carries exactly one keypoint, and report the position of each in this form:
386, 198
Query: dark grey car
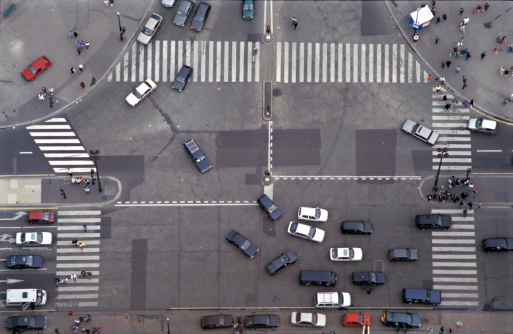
402, 254
181, 78
282, 261
23, 322
433, 221
183, 11
356, 227
200, 17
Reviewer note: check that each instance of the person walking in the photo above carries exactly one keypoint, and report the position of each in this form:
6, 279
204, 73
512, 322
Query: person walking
486, 5
111, 3
72, 69
470, 205
83, 273
80, 68
483, 55
442, 328
464, 212
87, 190
82, 85
437, 38
294, 22
50, 99
429, 78
437, 20
89, 275
75, 34
70, 34
448, 63
85, 228
461, 11
79, 51
81, 245
495, 51
444, 17
443, 64
457, 69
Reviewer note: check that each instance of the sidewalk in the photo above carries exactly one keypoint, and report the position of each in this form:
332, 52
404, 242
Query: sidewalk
38, 28
485, 85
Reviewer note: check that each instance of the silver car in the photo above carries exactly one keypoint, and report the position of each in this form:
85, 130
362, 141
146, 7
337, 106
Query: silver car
483, 125
150, 29
420, 131
139, 93
183, 11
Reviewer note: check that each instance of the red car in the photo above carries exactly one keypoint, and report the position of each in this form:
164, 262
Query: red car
41, 217
36, 68
355, 320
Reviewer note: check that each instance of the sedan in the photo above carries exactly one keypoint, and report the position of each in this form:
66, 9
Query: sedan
168, 3
498, 244
312, 214
150, 29
483, 125
306, 232
181, 78
248, 9
24, 322
24, 262
356, 227
433, 221
308, 319
183, 11
200, 17
30, 239
41, 217
369, 280
242, 244
402, 254
400, 320
282, 261
142, 91
269, 207
346, 254
216, 321
355, 319
262, 321
36, 68
421, 132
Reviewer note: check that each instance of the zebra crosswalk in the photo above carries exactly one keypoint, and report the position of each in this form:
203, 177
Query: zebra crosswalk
61, 146
71, 259
451, 124
231, 61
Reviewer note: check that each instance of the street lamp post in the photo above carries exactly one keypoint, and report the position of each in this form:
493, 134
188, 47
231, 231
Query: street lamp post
168, 329
95, 156
442, 152
121, 29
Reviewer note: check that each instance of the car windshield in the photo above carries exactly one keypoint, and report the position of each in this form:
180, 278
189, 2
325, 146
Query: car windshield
317, 213
32, 69
200, 158
199, 18
180, 79
247, 6
245, 245
372, 277
311, 233
272, 208
147, 31
314, 318
479, 122
46, 215
438, 220
293, 228
136, 93
12, 261
407, 253
39, 237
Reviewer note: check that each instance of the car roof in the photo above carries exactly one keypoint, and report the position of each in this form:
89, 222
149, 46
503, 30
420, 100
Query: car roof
40, 62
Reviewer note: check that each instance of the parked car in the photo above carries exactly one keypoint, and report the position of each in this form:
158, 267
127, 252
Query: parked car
143, 90
269, 207
198, 157
182, 78
306, 232
24, 262
498, 244
401, 320
41, 217
29, 239
356, 227
483, 126
168, 3
332, 299
36, 68
355, 319
149, 29
216, 321
312, 214
21, 323
422, 296
346, 254
308, 319
369, 280
248, 9
421, 132
262, 321
433, 221
198, 22
281, 262
183, 11
242, 244
402, 254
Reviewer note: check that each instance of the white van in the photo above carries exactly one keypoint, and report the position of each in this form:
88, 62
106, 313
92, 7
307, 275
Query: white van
332, 299
25, 297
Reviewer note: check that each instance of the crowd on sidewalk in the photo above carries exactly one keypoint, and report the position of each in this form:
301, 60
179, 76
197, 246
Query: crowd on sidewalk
451, 194
78, 326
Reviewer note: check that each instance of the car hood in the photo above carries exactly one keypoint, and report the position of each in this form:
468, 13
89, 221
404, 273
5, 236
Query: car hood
319, 235
132, 100
27, 74
416, 320
143, 38
179, 20
274, 320
358, 254
252, 250
47, 238
195, 25
37, 261
178, 85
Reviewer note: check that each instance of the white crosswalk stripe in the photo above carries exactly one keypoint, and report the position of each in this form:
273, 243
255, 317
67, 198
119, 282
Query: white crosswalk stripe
452, 264
73, 260
62, 151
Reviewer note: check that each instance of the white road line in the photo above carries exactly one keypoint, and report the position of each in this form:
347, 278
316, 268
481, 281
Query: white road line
78, 235
459, 139
67, 273
333, 57
301, 62
386, 78
242, 62
52, 134
79, 304
455, 287
86, 249
324, 62
317, 60
455, 303
49, 127
451, 118
278, 61
77, 296
462, 227
455, 153
157, 61
218, 62
418, 71
79, 258
250, 61
454, 272
363, 62
62, 148
371, 62
447, 234
454, 132
70, 162
234, 61
453, 241
355, 62
133, 68
179, 58
56, 120
453, 256
126, 65
293, 51
188, 53
67, 243
211, 61
401, 63
80, 213
460, 295
458, 280
378, 63
257, 63
66, 155
141, 62
452, 160
454, 264
77, 228
410, 67
172, 61
465, 167
73, 170
394, 63
77, 265
489, 151
453, 146
164, 60
348, 62
195, 62
117, 71
452, 112
286, 62
446, 211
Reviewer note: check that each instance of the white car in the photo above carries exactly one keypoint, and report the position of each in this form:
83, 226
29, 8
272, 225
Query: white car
30, 239
138, 94
312, 214
483, 125
346, 254
308, 319
420, 131
306, 232
168, 3
150, 29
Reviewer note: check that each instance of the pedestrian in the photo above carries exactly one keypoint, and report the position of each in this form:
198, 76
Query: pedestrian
80, 68
450, 329
464, 78
464, 195
438, 89
88, 331
75, 34
447, 106
74, 277
510, 48
83, 330
71, 312
479, 10
429, 78
442, 328
502, 70
57, 282
81, 318
83, 273
462, 29
57, 331
443, 64
448, 63
86, 189
111, 3
442, 80
41, 97
43, 90
82, 85
472, 102
89, 275
429, 197
456, 199
70, 34
63, 192
466, 21
51, 90
85, 228
470, 187
87, 45
444, 17
458, 69
505, 101
479, 204
461, 11
77, 321
430, 330
65, 280
474, 191
470, 205
88, 318
81, 245
294, 22
437, 20
79, 51
504, 38
444, 98
486, 5
483, 55
72, 70
106, 2
74, 242
464, 215
437, 38
495, 51
468, 57
82, 45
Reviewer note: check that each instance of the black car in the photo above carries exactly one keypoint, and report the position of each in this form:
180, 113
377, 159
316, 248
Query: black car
356, 227
181, 78
242, 244
498, 244
433, 221
197, 155
269, 207
262, 321
24, 262
216, 321
402, 254
200, 17
402, 320
183, 11
369, 279
285, 259
23, 322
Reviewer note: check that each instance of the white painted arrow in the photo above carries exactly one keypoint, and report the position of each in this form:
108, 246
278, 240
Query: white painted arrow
18, 215
6, 237
11, 280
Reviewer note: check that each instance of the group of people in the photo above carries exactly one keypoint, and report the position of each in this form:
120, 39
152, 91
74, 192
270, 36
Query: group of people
77, 325
42, 95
